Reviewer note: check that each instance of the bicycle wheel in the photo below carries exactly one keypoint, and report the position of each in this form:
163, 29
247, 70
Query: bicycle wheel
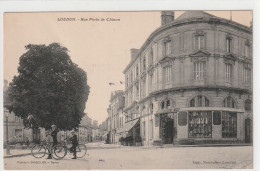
59, 152
38, 151
81, 150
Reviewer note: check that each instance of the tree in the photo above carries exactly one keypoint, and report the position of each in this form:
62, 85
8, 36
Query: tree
49, 88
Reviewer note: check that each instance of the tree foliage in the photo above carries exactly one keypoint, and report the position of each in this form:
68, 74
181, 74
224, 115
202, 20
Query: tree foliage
49, 87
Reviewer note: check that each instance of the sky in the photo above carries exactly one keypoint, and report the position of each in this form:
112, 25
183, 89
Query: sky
101, 48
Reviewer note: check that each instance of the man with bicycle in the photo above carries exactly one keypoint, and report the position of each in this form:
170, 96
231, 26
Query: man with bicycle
74, 141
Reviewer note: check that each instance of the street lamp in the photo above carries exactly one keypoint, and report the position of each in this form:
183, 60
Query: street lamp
7, 141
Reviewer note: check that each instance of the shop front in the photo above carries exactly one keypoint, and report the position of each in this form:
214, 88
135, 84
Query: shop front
209, 125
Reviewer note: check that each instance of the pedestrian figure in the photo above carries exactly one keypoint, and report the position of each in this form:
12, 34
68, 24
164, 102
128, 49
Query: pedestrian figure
54, 133
49, 143
27, 142
74, 141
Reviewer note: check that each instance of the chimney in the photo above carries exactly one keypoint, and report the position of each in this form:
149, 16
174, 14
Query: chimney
167, 17
133, 53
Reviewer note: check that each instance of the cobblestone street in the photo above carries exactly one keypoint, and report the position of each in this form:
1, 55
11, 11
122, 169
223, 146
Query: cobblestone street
239, 157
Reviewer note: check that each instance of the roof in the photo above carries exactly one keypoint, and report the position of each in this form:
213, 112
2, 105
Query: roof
128, 126
194, 14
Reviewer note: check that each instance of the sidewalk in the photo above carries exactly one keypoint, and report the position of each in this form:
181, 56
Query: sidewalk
17, 153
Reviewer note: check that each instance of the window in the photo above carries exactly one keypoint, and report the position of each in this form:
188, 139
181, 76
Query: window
248, 105
246, 74
199, 42
131, 77
167, 72
151, 83
167, 48
137, 90
182, 118
229, 125
144, 63
247, 51
126, 81
137, 72
216, 117
228, 72
199, 70
18, 134
199, 101
143, 93
144, 130
166, 104
229, 44
151, 107
151, 56
151, 129
229, 102
200, 124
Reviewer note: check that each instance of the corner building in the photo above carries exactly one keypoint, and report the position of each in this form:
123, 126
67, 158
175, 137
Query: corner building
191, 81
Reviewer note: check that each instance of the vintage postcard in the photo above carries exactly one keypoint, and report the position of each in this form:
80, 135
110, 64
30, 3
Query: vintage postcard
128, 90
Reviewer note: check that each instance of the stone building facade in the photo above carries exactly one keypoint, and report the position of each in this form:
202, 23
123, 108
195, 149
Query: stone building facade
191, 81
116, 116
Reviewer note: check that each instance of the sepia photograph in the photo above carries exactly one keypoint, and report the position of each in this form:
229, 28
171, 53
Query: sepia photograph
125, 90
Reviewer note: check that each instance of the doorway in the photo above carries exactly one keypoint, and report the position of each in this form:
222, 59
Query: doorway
167, 130
248, 130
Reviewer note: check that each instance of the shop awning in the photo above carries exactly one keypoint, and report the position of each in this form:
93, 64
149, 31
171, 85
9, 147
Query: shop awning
128, 126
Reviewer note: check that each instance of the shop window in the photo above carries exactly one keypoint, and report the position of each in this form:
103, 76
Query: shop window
199, 101
182, 118
248, 105
229, 102
216, 117
229, 125
200, 124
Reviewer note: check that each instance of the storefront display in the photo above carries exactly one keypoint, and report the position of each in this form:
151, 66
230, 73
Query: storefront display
200, 124
229, 125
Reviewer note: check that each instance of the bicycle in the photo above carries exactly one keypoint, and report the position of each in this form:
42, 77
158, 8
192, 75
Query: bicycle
40, 150
60, 151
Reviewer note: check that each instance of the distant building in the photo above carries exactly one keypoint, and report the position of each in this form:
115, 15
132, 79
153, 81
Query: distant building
16, 131
95, 123
116, 115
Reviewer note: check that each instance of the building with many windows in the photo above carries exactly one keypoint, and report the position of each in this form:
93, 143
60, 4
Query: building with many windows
116, 116
190, 82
